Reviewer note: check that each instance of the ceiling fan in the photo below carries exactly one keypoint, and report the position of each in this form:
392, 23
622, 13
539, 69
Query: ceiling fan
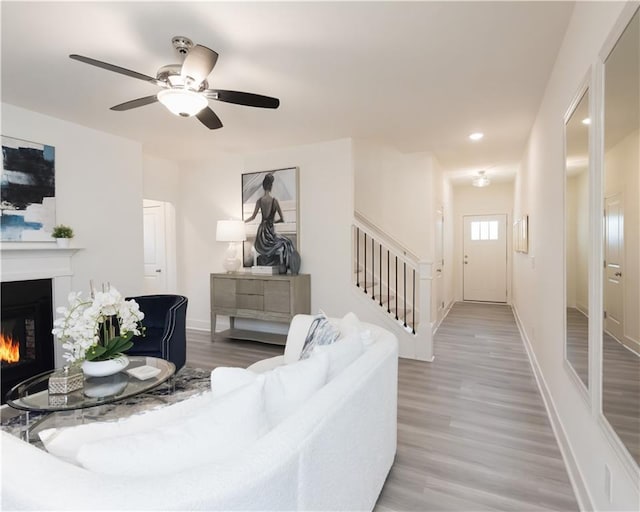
185, 90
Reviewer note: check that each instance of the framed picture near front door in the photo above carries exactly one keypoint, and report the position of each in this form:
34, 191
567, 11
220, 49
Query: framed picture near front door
270, 208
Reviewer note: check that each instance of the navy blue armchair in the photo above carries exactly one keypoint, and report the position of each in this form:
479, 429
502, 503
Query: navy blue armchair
165, 336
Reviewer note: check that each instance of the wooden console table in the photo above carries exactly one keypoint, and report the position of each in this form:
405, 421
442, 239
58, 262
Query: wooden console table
272, 298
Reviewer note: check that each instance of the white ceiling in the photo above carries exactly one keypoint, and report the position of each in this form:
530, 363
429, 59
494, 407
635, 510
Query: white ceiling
420, 76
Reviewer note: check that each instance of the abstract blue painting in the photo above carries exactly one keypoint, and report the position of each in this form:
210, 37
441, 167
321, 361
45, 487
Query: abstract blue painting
28, 190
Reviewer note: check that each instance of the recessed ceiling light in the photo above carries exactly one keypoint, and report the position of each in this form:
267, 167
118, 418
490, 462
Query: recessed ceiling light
586, 121
476, 136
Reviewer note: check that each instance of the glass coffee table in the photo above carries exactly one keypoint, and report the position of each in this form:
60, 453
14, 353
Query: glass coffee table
32, 395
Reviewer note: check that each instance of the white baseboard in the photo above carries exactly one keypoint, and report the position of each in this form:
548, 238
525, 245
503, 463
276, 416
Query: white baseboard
435, 325
585, 502
200, 325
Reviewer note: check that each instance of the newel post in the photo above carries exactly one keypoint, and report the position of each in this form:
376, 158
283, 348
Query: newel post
424, 335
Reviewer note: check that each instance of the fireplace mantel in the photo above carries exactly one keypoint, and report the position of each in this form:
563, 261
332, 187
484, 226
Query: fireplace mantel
26, 261
35, 262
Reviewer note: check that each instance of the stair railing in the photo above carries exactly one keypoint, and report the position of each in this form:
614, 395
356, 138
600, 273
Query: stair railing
388, 273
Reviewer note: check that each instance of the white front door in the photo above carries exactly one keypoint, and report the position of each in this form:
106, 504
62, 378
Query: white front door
613, 251
484, 258
155, 256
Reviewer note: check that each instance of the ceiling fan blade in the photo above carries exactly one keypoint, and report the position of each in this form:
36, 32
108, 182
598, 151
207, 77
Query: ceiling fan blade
140, 102
114, 68
197, 65
243, 98
209, 118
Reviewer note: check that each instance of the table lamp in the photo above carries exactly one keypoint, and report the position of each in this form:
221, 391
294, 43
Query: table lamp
231, 231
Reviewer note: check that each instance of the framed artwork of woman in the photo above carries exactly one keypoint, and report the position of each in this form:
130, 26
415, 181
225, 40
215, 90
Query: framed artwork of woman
270, 211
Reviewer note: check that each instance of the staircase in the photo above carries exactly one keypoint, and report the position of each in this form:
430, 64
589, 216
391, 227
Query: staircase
397, 283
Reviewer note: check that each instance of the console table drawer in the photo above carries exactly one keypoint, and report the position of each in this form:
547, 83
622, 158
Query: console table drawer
255, 302
277, 297
249, 287
223, 292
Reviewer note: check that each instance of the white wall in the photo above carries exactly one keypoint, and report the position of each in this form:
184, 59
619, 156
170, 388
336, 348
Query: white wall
209, 191
468, 200
395, 191
98, 193
538, 276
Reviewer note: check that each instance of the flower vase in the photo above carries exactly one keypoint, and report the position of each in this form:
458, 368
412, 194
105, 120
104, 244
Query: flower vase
105, 368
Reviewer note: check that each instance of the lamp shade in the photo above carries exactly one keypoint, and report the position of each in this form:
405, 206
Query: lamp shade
230, 231
182, 102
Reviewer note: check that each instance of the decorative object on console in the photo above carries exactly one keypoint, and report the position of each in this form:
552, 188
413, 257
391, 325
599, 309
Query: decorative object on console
99, 328
63, 234
231, 231
274, 238
28, 191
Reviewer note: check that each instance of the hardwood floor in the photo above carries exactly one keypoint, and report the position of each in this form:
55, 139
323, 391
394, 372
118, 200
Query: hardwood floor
578, 343
472, 429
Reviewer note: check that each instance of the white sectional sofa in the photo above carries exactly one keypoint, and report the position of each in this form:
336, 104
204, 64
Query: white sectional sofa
332, 452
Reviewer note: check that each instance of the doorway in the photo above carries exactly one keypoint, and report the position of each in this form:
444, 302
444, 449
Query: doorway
484, 265
159, 247
613, 262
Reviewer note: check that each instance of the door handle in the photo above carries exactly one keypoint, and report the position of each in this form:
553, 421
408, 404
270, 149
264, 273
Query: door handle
466, 262
158, 270
618, 274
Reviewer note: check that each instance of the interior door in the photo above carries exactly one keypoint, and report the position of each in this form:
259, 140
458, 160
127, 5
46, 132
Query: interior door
439, 264
484, 264
155, 259
613, 251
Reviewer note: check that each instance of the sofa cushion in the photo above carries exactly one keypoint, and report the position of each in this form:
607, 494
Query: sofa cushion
287, 387
225, 379
215, 434
65, 442
341, 353
321, 332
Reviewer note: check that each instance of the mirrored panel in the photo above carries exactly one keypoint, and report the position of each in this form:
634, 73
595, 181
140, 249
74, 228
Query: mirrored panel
621, 287
577, 238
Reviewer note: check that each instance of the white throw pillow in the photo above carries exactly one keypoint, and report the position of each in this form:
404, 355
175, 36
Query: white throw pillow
215, 434
341, 353
66, 441
349, 326
225, 379
296, 336
287, 387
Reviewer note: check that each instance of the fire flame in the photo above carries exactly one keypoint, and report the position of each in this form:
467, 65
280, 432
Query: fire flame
9, 349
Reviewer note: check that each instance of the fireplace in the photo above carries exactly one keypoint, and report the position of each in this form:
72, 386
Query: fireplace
26, 342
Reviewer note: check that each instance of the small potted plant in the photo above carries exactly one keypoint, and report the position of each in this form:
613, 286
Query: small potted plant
63, 234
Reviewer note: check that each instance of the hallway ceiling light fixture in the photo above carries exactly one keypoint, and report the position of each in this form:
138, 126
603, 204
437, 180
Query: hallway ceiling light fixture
586, 121
481, 180
476, 136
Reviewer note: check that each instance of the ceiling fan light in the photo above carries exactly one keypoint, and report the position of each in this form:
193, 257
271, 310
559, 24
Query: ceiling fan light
182, 102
